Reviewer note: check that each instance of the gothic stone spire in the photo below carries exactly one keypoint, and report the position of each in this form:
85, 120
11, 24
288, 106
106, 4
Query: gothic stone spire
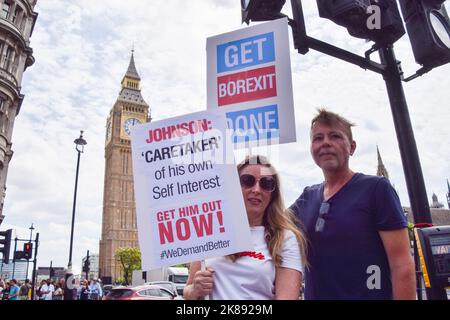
381, 170
132, 72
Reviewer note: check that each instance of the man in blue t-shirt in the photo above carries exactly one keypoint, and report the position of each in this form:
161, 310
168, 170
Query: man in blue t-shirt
358, 239
13, 290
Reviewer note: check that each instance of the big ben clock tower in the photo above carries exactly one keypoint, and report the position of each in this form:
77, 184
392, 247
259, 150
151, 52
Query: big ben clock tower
119, 227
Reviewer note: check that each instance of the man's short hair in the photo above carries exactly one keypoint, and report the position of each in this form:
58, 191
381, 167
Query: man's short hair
329, 118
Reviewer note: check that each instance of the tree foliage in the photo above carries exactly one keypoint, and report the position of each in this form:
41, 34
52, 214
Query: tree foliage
130, 259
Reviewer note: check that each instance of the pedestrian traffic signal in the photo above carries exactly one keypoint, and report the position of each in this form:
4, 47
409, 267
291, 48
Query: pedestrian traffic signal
5, 242
27, 250
261, 10
376, 20
87, 263
428, 27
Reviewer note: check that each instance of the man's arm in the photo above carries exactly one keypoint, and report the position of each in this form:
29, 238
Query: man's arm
401, 264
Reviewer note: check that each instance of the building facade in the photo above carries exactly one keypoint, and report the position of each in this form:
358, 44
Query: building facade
17, 19
439, 215
12, 270
119, 226
43, 273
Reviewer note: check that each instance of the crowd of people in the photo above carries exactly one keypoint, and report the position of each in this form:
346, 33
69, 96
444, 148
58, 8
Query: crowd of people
14, 290
49, 290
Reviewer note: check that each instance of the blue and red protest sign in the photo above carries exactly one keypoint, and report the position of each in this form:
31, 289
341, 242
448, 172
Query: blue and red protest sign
250, 81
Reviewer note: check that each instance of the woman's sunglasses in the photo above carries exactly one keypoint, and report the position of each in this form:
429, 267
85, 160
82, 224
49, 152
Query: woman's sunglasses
266, 183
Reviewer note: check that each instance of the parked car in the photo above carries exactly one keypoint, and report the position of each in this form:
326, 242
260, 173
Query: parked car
169, 285
107, 288
144, 292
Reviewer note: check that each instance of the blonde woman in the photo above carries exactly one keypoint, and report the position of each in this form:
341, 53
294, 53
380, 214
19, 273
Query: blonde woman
273, 269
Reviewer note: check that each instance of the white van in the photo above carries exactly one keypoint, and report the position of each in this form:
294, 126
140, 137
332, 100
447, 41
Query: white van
178, 276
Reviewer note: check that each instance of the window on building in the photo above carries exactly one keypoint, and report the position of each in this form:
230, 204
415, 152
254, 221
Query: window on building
2, 57
5, 9
8, 58
17, 16
15, 65
3, 115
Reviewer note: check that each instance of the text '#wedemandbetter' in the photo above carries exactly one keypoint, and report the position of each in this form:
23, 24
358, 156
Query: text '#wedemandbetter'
179, 252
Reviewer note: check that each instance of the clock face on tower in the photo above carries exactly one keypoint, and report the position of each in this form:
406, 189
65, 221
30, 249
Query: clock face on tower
129, 123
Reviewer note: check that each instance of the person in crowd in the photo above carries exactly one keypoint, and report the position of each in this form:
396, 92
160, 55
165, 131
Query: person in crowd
39, 292
5, 292
59, 293
84, 291
61, 284
95, 289
357, 232
24, 290
47, 289
273, 269
13, 290
2, 287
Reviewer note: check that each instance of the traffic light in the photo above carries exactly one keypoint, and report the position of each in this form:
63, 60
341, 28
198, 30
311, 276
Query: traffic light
5, 241
428, 28
86, 266
376, 20
261, 10
18, 255
27, 250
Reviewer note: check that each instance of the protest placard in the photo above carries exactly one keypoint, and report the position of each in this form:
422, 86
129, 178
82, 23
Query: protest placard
189, 203
249, 80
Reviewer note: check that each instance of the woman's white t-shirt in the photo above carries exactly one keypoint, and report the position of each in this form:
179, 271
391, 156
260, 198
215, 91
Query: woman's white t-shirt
252, 275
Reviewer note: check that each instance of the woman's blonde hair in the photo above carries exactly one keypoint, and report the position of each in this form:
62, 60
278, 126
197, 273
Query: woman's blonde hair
277, 218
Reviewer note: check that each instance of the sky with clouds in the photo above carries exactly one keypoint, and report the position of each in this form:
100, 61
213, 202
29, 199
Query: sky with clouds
82, 50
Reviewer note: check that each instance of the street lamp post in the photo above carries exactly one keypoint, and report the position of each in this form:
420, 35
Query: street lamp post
31, 238
68, 292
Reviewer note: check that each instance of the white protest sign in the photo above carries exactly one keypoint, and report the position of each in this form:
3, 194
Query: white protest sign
249, 80
189, 203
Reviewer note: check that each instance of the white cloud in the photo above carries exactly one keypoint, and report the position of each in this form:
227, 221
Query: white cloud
82, 51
